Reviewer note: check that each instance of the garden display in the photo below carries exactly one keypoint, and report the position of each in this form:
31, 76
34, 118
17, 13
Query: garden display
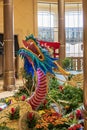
42, 103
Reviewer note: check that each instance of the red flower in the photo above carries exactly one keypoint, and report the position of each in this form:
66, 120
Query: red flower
1, 109
61, 88
78, 126
45, 102
70, 128
30, 115
71, 116
75, 127
78, 113
56, 114
12, 110
23, 98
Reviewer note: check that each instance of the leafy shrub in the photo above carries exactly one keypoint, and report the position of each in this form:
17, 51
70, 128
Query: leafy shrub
67, 64
53, 83
72, 95
5, 128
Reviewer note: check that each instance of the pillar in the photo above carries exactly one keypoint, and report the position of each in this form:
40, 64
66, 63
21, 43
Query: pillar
85, 60
61, 31
9, 73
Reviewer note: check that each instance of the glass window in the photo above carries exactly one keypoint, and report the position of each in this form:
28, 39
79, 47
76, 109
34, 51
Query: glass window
74, 29
48, 21
48, 25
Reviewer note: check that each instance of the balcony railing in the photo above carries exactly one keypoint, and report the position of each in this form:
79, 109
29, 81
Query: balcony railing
76, 63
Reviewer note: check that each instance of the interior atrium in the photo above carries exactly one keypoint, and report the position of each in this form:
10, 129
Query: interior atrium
43, 64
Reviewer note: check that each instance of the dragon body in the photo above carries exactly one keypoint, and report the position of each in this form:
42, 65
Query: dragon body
37, 59
40, 92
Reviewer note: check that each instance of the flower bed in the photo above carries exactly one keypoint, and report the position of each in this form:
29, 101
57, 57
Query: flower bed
48, 119
8, 117
65, 114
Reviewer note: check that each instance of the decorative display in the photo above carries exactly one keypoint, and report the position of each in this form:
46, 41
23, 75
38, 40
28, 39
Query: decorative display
38, 59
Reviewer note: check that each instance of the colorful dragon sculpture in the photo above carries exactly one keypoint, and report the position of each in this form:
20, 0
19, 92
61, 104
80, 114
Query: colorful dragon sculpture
39, 59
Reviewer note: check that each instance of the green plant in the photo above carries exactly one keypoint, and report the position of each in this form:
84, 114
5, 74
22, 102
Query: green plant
28, 79
14, 113
5, 128
67, 63
28, 84
31, 119
53, 83
70, 97
21, 91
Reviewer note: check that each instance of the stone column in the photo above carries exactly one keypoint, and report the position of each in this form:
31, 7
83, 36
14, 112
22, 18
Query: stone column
9, 73
61, 31
85, 60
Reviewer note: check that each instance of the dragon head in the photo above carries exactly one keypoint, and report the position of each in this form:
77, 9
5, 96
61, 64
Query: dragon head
36, 57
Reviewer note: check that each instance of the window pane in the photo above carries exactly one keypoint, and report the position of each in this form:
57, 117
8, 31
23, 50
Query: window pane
48, 21
74, 29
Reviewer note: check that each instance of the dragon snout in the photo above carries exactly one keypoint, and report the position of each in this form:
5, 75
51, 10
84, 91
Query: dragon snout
32, 47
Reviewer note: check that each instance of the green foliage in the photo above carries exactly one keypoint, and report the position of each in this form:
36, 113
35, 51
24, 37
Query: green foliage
28, 79
31, 119
28, 84
72, 95
67, 63
5, 128
58, 127
20, 92
53, 83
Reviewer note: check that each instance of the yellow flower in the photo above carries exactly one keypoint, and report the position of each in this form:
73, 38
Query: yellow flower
41, 112
7, 100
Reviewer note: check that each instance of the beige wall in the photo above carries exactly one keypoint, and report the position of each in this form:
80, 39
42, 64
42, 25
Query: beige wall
1, 17
57, 0
25, 20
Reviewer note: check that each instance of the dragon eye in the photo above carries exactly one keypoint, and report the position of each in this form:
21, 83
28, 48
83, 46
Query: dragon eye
39, 56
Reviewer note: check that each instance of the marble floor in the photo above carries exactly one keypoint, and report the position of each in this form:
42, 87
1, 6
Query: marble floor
4, 94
